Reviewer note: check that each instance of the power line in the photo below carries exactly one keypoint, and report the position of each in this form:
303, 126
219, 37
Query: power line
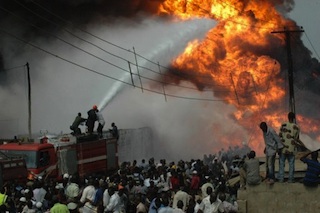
314, 50
112, 64
13, 68
101, 74
119, 57
101, 39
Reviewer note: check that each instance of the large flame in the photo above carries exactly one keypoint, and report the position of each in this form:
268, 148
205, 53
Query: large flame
238, 58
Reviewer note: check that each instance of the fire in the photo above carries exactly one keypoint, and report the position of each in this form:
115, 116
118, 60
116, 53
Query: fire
238, 57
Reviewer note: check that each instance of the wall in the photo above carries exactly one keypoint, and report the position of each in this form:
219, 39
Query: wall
279, 197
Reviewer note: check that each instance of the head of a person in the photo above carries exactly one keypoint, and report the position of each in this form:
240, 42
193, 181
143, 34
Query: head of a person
112, 124
213, 197
209, 190
222, 197
263, 126
95, 107
314, 155
180, 204
79, 114
291, 116
55, 199
30, 204
251, 154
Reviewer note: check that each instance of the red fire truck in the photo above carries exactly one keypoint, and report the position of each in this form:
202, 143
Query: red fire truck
54, 156
12, 169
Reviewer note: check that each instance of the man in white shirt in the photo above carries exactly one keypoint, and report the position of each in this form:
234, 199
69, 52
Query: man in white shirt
211, 204
183, 196
114, 202
88, 193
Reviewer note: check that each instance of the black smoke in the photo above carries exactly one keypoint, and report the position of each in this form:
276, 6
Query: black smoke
27, 19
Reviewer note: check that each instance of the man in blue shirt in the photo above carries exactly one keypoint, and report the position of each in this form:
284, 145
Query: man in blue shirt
313, 170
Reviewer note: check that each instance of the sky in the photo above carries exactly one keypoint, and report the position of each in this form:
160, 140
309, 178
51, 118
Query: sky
306, 14
60, 90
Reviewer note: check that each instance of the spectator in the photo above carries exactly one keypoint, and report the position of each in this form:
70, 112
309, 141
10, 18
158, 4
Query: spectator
195, 182
311, 177
204, 187
211, 204
250, 172
3, 199
182, 196
141, 206
179, 208
88, 193
73, 190
58, 207
272, 145
114, 203
29, 208
227, 206
289, 134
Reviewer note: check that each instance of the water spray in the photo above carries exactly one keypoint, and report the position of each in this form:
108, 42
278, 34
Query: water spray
179, 37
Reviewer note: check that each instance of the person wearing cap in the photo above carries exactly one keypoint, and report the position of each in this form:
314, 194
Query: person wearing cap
73, 207
73, 189
204, 187
195, 181
39, 207
92, 117
22, 202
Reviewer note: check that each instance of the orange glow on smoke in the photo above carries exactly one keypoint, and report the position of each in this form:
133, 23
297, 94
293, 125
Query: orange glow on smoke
234, 57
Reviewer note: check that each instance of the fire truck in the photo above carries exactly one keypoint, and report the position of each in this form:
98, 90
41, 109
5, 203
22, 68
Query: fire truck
52, 156
12, 169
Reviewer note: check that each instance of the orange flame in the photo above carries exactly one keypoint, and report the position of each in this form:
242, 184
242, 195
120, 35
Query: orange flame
236, 57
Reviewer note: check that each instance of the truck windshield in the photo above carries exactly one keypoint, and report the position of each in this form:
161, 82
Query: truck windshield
29, 156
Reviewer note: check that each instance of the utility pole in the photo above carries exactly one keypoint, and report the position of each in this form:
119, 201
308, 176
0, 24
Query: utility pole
29, 101
290, 66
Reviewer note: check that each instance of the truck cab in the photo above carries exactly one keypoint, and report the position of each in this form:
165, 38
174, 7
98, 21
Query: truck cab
12, 169
38, 157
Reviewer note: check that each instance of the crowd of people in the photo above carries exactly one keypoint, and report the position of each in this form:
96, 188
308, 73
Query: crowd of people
193, 186
149, 186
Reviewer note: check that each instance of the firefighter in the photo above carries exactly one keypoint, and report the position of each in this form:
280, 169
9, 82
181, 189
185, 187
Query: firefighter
75, 125
92, 117
101, 123
114, 131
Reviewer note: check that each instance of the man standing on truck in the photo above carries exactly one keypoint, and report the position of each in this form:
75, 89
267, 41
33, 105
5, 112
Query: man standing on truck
101, 123
92, 117
114, 131
75, 125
